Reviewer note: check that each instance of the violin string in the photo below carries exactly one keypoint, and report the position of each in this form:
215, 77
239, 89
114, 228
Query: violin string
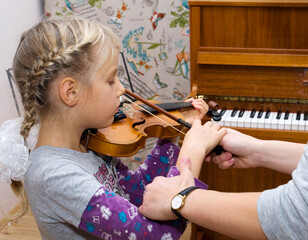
155, 116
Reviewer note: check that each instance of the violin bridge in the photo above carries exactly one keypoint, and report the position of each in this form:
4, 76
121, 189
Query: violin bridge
128, 110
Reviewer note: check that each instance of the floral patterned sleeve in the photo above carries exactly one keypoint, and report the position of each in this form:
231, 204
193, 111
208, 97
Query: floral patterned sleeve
109, 216
160, 162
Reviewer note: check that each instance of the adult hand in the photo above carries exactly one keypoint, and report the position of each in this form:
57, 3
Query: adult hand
240, 151
157, 198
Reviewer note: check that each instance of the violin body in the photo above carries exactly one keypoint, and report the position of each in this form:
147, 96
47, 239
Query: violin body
127, 136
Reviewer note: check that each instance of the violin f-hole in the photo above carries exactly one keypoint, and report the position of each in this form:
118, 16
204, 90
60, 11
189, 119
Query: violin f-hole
138, 123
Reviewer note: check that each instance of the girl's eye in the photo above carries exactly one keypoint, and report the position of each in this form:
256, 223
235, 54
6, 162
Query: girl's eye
111, 82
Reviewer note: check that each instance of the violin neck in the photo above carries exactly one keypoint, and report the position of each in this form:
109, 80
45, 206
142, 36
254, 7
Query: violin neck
168, 106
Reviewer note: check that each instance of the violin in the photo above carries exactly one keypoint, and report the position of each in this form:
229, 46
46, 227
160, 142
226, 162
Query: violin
127, 136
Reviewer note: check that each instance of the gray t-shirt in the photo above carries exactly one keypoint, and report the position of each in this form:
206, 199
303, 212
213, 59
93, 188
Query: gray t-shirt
50, 165
283, 211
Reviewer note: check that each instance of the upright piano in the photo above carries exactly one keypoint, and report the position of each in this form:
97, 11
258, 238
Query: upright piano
251, 57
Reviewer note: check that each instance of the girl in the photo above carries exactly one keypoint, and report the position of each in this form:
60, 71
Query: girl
66, 73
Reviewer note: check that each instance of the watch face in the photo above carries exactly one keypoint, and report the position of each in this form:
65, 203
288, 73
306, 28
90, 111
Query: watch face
177, 202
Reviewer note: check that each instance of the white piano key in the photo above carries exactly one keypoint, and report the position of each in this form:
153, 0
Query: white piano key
242, 120
288, 122
267, 121
248, 119
301, 124
274, 122
281, 121
295, 122
234, 119
261, 120
254, 121
227, 120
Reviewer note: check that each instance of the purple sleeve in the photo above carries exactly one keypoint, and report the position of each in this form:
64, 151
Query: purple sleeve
109, 216
158, 162
175, 172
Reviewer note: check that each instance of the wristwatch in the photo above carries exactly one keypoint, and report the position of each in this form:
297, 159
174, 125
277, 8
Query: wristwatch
178, 201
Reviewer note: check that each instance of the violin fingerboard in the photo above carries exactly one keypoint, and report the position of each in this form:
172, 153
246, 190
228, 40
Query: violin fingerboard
168, 106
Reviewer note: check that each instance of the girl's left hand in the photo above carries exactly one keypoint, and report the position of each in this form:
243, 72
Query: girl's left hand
199, 111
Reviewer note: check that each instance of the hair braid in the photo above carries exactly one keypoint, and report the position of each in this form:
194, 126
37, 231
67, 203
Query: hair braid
28, 99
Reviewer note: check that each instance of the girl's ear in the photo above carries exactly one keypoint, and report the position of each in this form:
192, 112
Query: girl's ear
68, 91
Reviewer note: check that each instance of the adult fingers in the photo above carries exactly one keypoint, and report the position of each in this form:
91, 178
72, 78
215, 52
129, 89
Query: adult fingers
226, 156
185, 170
227, 164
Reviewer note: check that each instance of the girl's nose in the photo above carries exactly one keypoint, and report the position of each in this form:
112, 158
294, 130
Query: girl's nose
120, 88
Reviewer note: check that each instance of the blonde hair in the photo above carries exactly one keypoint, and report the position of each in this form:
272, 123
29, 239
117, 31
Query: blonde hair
53, 48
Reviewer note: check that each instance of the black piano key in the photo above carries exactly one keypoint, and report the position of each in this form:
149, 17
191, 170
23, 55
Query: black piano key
267, 114
306, 115
286, 115
260, 113
252, 114
234, 112
278, 114
298, 116
241, 113
223, 111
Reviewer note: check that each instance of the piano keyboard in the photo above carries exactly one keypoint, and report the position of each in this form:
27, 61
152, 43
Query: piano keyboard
263, 119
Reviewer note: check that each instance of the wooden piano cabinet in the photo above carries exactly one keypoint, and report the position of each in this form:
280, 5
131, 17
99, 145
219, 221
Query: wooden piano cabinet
251, 54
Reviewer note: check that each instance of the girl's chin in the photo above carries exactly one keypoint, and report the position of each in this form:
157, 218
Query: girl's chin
107, 123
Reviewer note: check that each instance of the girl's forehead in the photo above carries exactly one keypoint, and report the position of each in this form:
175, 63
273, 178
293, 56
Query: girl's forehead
106, 64
109, 66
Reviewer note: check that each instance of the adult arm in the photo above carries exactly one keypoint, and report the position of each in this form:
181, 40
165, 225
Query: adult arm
243, 151
232, 214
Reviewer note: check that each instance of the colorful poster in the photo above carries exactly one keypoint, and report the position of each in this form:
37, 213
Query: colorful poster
155, 40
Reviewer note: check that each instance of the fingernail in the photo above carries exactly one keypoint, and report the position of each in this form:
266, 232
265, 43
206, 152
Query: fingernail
232, 162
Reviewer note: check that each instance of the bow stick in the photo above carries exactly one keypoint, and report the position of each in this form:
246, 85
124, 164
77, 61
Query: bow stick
158, 109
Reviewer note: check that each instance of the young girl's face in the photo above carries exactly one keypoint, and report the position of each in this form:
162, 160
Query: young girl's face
104, 96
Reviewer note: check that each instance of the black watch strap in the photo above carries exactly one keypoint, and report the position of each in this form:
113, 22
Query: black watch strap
184, 193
